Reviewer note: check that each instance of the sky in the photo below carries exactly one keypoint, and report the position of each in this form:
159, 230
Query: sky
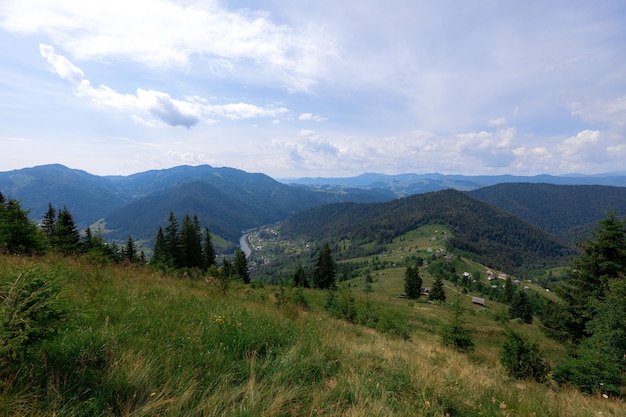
320, 88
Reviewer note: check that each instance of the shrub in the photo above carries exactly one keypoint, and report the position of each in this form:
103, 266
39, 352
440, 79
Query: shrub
31, 311
521, 358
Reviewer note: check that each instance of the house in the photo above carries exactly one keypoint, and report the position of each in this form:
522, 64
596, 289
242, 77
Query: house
479, 301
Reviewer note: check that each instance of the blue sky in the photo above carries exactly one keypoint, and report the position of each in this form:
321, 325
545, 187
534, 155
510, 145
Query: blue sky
315, 88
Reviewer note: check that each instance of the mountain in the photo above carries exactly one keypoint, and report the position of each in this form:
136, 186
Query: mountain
403, 185
564, 210
488, 234
226, 200
88, 197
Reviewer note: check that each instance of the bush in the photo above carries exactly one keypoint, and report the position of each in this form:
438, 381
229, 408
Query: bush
31, 311
522, 359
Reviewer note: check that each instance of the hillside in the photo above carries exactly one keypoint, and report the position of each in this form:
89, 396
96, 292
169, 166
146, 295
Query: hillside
557, 209
492, 236
138, 343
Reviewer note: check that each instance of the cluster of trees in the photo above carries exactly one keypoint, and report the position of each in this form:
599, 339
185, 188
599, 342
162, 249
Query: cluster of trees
183, 246
592, 316
58, 232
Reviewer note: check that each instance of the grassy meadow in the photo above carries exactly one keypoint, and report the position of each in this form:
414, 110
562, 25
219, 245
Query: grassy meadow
140, 343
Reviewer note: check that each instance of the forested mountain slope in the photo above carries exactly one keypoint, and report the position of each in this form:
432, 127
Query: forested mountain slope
557, 209
493, 236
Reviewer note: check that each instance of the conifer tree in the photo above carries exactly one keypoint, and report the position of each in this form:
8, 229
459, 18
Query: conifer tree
437, 293
172, 241
160, 255
455, 334
208, 251
130, 251
521, 308
412, 282
65, 236
509, 290
603, 258
324, 273
18, 234
299, 278
49, 219
241, 266
190, 243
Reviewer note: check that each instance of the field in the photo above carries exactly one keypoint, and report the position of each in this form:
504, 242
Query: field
140, 343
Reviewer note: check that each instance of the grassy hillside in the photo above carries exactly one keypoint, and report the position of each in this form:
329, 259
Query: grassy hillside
140, 343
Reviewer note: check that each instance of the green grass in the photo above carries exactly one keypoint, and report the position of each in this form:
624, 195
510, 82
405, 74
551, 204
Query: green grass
143, 344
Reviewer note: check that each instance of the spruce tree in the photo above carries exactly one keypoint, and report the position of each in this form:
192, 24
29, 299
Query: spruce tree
172, 241
412, 282
208, 251
18, 234
324, 273
49, 219
521, 308
160, 255
455, 334
241, 266
509, 290
129, 252
65, 236
190, 243
603, 258
299, 278
437, 292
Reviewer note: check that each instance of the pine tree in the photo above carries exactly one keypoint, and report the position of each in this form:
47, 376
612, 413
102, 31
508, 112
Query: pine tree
49, 219
241, 266
18, 234
208, 251
603, 258
160, 255
522, 359
299, 278
437, 293
455, 334
190, 243
509, 290
65, 236
412, 282
172, 242
521, 308
129, 252
324, 273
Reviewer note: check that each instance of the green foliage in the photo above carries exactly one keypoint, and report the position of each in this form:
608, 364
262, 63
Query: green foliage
300, 279
65, 236
437, 292
324, 273
456, 334
598, 362
520, 307
603, 258
18, 235
32, 310
241, 266
522, 358
412, 282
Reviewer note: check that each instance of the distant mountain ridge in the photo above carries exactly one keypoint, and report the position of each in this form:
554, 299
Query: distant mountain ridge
229, 200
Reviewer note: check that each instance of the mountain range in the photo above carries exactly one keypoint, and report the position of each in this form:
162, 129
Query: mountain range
229, 201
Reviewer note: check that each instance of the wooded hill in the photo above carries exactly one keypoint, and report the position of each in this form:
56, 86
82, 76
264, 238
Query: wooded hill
566, 211
483, 232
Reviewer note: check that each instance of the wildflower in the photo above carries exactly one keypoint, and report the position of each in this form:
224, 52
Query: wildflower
152, 394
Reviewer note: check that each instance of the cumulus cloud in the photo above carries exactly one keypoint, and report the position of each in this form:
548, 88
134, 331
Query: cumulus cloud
167, 33
312, 117
172, 112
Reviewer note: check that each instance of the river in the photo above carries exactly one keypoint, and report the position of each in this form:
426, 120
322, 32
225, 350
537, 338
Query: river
245, 247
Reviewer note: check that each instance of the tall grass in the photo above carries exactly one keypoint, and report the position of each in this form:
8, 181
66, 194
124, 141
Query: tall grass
144, 344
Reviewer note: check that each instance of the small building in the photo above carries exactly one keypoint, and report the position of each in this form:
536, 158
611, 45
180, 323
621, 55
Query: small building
478, 301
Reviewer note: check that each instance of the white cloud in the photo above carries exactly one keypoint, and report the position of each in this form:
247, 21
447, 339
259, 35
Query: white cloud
173, 112
312, 117
168, 33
